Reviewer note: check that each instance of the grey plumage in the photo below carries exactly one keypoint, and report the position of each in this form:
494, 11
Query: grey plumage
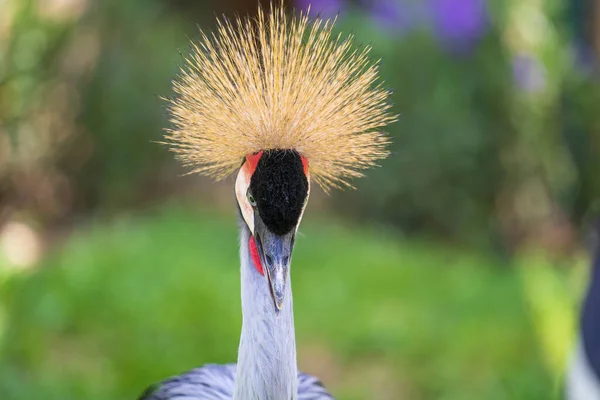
582, 382
216, 382
583, 375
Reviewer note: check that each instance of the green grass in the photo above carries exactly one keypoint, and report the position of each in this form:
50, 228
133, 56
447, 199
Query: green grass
127, 303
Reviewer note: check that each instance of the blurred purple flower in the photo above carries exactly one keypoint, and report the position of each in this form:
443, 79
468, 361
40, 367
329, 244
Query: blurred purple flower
324, 8
529, 73
459, 24
584, 58
393, 15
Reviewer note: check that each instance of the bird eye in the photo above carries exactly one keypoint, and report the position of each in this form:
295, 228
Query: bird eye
251, 199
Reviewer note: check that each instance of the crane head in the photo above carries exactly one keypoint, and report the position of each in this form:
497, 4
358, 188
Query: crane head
278, 91
280, 81
272, 190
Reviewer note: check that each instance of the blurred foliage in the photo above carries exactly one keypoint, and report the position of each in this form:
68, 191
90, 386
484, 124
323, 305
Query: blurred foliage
582, 136
445, 153
497, 137
79, 106
134, 301
38, 107
137, 59
498, 142
552, 294
481, 151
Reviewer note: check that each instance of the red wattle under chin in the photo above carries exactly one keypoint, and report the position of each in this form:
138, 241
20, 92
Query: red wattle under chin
254, 255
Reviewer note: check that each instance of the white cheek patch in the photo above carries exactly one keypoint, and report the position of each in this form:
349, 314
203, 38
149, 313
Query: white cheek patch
241, 189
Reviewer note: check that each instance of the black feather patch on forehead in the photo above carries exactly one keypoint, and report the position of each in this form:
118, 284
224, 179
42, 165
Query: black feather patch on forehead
279, 187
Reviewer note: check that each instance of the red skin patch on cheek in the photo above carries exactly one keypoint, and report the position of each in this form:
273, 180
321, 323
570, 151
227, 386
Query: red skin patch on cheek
250, 165
252, 161
255, 256
304, 165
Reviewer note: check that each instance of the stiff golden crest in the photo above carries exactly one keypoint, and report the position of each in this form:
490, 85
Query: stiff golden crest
279, 82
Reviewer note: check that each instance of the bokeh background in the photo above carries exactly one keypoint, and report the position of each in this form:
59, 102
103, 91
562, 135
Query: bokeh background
453, 272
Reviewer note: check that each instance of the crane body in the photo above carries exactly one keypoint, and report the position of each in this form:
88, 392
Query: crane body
291, 102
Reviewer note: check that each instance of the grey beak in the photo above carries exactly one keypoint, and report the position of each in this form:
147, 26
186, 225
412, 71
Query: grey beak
278, 283
275, 252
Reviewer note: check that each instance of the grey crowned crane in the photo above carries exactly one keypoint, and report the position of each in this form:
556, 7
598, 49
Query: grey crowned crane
583, 378
290, 102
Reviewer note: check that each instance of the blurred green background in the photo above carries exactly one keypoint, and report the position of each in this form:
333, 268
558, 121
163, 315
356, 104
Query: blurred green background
453, 272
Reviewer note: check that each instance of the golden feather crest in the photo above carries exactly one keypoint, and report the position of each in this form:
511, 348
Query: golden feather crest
279, 82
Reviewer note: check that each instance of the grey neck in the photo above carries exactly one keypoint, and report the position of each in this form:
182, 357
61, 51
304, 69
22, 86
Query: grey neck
266, 368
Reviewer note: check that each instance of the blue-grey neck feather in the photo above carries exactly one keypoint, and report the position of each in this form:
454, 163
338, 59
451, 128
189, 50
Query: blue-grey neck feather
590, 319
266, 368
583, 380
